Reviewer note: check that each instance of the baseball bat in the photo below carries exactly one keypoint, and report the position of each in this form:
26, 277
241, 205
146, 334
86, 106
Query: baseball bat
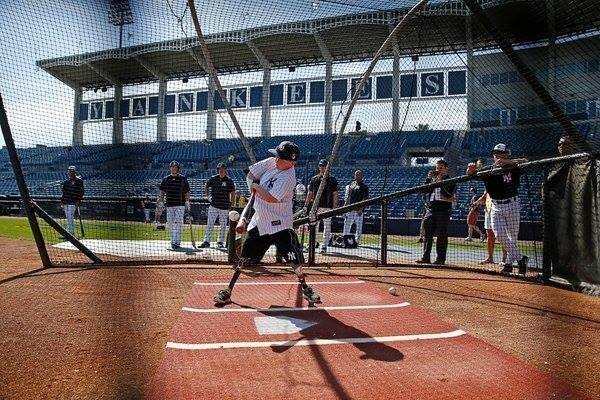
190, 219
80, 222
240, 228
245, 216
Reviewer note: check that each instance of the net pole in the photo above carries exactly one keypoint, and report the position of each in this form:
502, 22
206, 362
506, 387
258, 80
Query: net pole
358, 89
22, 185
213, 74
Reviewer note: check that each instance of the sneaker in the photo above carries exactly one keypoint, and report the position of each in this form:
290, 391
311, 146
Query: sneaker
175, 246
468, 239
523, 265
423, 261
420, 240
223, 296
323, 249
439, 262
486, 261
220, 245
310, 295
205, 245
507, 270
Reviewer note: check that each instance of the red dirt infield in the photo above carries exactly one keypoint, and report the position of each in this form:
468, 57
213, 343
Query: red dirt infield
361, 343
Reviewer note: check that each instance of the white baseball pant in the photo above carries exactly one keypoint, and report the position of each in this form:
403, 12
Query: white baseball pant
175, 223
326, 227
146, 214
215, 213
505, 220
353, 217
70, 215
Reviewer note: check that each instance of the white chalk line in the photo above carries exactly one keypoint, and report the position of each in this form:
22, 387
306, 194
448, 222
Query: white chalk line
278, 283
283, 309
314, 342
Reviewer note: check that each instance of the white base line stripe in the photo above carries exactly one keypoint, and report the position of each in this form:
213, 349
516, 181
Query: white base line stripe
278, 283
279, 309
313, 342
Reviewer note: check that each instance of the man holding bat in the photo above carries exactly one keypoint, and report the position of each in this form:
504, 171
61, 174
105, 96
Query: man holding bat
72, 193
271, 182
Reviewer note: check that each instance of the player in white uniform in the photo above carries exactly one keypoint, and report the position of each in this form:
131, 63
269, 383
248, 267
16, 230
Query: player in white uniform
273, 180
505, 212
175, 195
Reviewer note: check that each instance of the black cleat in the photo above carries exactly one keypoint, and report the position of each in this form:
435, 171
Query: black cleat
223, 296
205, 245
220, 245
423, 261
310, 295
523, 265
507, 270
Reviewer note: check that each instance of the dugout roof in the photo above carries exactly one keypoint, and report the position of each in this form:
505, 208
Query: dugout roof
440, 29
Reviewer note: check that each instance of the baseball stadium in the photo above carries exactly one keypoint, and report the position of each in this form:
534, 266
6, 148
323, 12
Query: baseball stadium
300, 199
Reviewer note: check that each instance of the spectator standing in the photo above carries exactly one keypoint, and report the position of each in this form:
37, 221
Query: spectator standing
220, 190
329, 199
356, 191
72, 193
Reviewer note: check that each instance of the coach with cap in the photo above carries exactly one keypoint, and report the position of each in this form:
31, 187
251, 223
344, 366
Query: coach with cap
502, 187
175, 195
220, 191
437, 216
329, 199
72, 193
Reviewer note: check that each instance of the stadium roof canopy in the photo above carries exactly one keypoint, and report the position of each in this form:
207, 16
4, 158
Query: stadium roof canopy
441, 28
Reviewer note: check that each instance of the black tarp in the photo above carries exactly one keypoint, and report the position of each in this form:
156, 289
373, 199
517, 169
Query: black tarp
572, 223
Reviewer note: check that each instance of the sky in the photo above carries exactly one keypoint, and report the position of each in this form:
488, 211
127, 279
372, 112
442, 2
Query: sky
40, 108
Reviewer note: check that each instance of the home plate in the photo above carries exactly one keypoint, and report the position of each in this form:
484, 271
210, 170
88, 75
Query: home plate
280, 325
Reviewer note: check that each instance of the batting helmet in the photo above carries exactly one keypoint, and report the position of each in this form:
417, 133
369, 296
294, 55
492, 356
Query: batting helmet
286, 151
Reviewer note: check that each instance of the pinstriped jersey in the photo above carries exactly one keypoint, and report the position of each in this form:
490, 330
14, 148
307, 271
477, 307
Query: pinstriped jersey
271, 218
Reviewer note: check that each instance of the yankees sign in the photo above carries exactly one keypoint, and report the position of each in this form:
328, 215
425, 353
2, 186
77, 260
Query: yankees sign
423, 84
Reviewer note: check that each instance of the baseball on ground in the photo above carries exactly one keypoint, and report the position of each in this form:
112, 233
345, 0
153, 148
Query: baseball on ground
393, 291
234, 215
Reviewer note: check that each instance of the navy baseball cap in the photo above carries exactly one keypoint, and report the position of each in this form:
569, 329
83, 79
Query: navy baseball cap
323, 162
286, 150
221, 165
71, 168
500, 148
174, 164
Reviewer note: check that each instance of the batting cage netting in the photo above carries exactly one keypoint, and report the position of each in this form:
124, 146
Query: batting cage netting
431, 133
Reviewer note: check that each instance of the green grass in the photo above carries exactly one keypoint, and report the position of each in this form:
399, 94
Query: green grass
15, 228
18, 228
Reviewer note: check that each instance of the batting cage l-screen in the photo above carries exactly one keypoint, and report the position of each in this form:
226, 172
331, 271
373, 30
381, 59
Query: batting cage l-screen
379, 96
